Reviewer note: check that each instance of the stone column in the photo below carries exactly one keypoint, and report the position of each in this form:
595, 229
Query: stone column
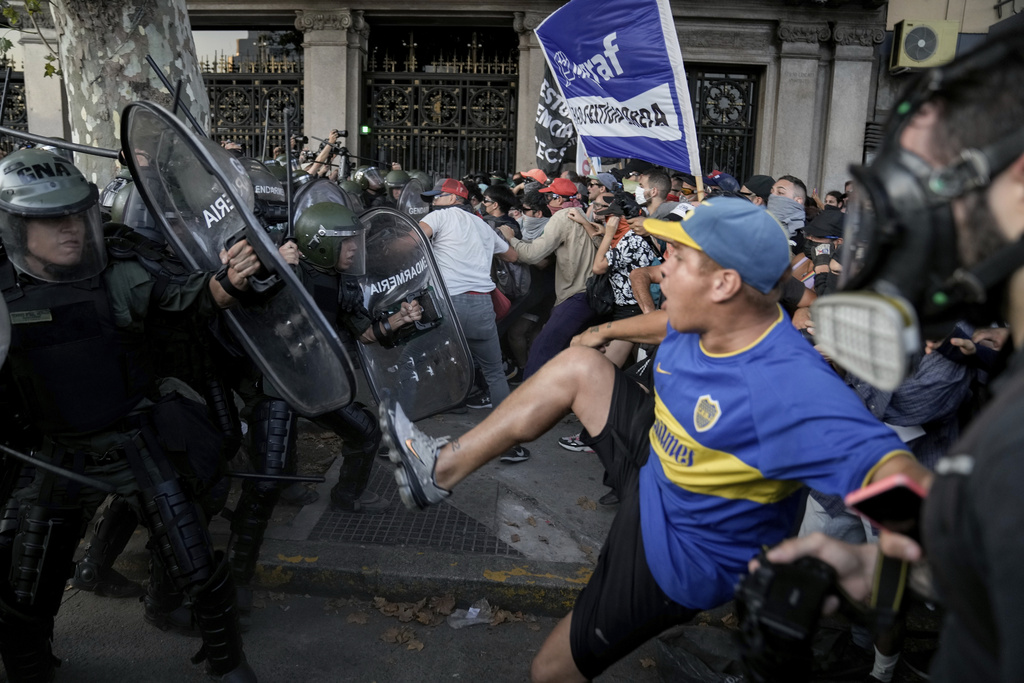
531, 75
849, 102
334, 50
795, 104
44, 97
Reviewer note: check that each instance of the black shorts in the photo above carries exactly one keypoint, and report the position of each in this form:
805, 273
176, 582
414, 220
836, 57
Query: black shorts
622, 605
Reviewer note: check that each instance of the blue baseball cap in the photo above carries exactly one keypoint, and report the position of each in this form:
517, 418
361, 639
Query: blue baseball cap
734, 234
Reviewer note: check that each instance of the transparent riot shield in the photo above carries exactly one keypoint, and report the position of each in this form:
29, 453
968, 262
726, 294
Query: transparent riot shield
429, 369
411, 203
322, 190
202, 199
5, 331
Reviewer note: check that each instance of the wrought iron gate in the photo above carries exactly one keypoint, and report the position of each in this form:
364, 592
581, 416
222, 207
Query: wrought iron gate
15, 114
241, 94
446, 122
725, 102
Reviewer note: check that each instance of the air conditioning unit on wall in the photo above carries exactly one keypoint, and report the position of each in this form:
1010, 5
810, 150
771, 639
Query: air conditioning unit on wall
921, 44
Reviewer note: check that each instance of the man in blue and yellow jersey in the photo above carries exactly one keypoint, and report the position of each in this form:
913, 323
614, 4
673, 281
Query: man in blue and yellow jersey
708, 467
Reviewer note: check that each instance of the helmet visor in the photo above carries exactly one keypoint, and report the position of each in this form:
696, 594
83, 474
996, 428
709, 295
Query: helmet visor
58, 248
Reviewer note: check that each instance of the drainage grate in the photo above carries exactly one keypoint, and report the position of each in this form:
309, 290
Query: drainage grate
440, 526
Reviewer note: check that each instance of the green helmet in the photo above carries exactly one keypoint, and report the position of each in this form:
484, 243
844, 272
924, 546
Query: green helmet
330, 235
351, 186
396, 180
45, 193
369, 178
424, 178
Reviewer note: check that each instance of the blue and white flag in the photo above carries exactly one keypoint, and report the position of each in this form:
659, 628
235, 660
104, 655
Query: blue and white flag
621, 72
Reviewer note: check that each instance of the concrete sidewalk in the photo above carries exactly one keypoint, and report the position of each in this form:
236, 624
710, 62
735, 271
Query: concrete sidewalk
525, 536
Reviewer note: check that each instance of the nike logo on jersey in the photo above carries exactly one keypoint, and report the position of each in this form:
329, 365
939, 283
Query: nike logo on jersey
660, 371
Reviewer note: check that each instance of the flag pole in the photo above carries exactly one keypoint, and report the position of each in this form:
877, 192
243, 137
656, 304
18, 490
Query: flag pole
700, 187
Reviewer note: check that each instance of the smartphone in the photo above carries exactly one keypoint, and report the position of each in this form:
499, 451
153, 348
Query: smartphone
894, 503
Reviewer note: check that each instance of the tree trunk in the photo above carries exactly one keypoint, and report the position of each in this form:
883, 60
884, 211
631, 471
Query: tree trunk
103, 47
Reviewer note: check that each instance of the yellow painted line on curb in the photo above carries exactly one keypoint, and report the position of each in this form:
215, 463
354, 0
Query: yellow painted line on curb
582, 575
296, 559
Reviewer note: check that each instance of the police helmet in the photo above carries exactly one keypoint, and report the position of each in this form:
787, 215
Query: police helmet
369, 178
396, 180
49, 217
330, 235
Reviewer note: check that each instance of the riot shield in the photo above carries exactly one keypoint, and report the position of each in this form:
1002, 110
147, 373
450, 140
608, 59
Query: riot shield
429, 369
202, 199
321, 190
5, 331
411, 203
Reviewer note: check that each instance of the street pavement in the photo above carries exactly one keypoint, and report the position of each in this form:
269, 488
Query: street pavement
523, 536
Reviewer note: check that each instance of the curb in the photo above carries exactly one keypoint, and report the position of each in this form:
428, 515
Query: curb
409, 574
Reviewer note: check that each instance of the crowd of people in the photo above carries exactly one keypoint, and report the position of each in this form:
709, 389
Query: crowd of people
671, 314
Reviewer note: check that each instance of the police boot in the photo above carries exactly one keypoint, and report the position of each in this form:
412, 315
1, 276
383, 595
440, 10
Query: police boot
94, 572
25, 646
217, 617
165, 605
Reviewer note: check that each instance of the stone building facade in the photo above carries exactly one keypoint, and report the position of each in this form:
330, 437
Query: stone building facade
817, 69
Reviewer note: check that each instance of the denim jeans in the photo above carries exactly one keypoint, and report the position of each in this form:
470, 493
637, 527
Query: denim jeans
476, 314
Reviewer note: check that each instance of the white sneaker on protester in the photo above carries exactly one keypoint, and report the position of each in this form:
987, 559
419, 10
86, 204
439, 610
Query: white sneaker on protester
573, 443
415, 456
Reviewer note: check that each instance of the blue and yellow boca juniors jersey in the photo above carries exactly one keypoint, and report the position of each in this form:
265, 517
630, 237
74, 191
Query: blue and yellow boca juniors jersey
734, 438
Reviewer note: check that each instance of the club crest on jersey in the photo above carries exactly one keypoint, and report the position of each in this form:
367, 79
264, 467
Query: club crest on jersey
706, 413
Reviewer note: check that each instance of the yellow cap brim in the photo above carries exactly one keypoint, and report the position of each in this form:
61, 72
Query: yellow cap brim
671, 231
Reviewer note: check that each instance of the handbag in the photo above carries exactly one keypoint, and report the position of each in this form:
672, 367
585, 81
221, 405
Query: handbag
600, 296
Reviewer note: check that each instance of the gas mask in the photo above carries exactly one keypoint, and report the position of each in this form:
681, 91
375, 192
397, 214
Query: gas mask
901, 275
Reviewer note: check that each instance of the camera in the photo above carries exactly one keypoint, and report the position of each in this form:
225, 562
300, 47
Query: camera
778, 608
306, 156
300, 139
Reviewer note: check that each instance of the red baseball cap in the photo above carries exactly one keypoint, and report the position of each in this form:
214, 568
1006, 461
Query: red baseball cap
561, 186
535, 173
446, 186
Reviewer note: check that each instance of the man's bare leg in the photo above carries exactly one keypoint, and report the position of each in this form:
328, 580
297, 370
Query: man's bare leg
554, 662
578, 379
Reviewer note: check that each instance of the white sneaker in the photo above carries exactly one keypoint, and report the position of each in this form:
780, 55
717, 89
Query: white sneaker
415, 456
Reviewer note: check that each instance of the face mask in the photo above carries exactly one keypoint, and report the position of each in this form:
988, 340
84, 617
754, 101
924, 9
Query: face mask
787, 211
641, 198
533, 226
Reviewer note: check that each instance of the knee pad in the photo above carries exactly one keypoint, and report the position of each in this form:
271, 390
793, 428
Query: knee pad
42, 554
178, 533
356, 425
273, 429
223, 414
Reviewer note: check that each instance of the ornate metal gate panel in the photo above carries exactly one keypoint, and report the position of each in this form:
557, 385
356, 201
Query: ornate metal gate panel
725, 111
447, 124
15, 113
242, 92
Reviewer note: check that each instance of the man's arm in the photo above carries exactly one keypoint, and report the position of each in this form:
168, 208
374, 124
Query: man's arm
641, 279
649, 328
427, 230
536, 251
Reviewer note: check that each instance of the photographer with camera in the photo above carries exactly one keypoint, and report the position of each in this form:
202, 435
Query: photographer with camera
949, 179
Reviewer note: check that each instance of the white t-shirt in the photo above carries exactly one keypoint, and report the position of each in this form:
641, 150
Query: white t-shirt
463, 247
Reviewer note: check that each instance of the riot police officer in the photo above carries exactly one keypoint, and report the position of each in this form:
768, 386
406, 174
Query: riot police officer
79, 365
331, 239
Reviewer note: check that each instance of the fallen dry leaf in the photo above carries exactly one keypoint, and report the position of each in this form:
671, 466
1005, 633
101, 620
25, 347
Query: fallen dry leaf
542, 539
443, 605
515, 538
731, 621
586, 503
276, 597
646, 662
515, 524
358, 618
414, 645
285, 608
533, 627
531, 521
